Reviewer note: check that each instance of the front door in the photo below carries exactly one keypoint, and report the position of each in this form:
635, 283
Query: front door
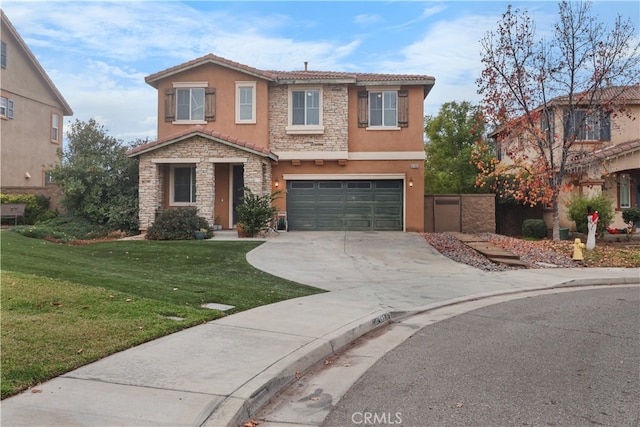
237, 185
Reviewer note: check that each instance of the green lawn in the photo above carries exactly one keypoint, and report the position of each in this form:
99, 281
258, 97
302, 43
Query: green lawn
64, 306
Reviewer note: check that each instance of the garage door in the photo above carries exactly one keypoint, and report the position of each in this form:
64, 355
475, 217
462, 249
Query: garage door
345, 205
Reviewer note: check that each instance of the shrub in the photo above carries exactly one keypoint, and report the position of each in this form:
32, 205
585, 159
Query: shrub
255, 212
178, 224
534, 228
630, 216
580, 206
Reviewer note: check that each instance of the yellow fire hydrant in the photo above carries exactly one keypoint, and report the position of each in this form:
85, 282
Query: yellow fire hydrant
577, 250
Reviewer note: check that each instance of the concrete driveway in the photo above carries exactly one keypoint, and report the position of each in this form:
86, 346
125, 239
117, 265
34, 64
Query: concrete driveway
339, 260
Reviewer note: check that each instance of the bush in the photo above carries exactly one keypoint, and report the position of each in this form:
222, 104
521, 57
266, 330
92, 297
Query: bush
580, 206
36, 207
255, 212
178, 224
534, 228
630, 216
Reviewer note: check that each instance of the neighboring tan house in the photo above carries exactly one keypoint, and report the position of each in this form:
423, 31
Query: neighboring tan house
345, 148
31, 117
605, 158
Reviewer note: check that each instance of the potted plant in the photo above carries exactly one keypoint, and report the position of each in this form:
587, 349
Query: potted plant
255, 212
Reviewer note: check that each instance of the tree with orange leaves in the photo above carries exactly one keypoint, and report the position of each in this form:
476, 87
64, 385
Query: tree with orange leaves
544, 96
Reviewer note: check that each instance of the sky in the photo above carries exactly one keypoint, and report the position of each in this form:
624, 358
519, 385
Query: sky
98, 53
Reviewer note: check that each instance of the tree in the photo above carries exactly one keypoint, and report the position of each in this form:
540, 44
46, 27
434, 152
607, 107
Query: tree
452, 135
99, 182
581, 69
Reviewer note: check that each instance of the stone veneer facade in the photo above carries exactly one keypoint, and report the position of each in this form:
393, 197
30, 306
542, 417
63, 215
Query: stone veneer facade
335, 106
204, 154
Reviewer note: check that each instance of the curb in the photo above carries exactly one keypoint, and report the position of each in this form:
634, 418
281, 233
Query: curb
253, 395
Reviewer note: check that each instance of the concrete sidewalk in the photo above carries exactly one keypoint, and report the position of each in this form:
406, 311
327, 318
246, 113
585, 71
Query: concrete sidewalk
220, 373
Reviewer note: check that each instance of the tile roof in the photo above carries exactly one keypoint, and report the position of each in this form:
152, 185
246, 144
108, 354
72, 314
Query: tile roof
617, 150
200, 130
278, 76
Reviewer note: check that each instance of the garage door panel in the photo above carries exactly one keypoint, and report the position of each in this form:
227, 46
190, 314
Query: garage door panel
339, 205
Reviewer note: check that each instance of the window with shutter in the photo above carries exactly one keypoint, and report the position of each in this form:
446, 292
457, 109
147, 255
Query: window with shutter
383, 109
6, 107
592, 126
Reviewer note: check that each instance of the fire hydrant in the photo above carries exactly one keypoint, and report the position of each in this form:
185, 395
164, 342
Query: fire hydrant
577, 250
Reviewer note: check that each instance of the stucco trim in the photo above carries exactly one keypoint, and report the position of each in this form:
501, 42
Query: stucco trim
337, 176
312, 155
387, 155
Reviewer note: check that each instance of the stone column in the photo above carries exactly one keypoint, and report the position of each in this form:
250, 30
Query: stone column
205, 190
149, 193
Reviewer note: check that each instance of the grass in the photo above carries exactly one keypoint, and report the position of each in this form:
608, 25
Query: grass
64, 306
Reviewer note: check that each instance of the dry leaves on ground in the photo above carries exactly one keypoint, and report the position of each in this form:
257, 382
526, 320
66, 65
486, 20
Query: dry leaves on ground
538, 254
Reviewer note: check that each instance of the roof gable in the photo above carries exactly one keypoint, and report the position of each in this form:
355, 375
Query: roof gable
213, 135
7, 26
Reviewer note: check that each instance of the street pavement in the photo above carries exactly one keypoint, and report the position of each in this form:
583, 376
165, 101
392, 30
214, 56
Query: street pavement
223, 372
566, 357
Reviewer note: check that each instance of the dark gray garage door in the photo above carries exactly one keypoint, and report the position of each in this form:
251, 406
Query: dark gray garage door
344, 205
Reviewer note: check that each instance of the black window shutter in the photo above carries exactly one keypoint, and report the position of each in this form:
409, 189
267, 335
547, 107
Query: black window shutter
363, 109
605, 127
403, 108
169, 105
210, 104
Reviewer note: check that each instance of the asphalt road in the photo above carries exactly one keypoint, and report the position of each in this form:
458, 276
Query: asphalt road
567, 359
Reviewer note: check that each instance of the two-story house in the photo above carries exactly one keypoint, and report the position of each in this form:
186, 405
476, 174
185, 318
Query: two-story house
604, 157
345, 149
31, 116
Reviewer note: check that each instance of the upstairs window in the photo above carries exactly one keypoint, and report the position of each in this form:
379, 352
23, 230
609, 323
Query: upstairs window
245, 102
55, 125
588, 126
305, 111
189, 103
183, 185
6, 108
383, 109
3, 55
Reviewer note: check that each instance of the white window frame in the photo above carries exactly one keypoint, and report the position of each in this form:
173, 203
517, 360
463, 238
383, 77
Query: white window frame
55, 127
385, 111
179, 86
625, 191
192, 197
305, 129
6, 108
240, 86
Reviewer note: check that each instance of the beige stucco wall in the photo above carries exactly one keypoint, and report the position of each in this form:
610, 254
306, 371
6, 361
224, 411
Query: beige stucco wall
26, 146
